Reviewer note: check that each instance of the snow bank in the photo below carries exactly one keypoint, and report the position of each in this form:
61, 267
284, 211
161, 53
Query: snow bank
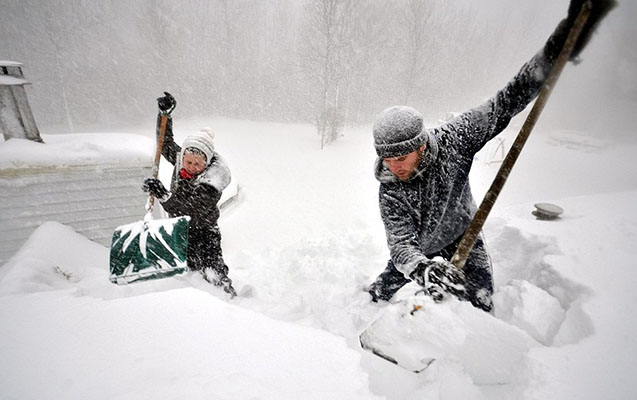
590, 270
53, 258
181, 343
175, 344
529, 308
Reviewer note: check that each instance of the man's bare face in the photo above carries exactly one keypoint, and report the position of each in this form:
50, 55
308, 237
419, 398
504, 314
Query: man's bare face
404, 167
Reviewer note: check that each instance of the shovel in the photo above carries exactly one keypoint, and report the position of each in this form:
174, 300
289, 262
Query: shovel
380, 337
150, 249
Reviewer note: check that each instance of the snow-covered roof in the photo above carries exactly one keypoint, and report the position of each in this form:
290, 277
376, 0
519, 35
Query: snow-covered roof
11, 73
79, 149
6, 63
8, 80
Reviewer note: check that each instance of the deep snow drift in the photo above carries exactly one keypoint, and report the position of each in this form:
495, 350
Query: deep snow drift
303, 241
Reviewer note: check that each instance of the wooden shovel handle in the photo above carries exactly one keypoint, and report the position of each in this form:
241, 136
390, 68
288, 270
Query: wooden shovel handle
160, 146
469, 238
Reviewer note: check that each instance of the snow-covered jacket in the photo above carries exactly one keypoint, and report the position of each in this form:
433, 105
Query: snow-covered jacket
435, 207
196, 197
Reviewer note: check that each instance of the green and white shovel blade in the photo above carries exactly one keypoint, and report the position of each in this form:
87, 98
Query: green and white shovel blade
148, 250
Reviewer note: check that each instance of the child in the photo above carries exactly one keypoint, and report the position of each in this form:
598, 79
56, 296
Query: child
199, 177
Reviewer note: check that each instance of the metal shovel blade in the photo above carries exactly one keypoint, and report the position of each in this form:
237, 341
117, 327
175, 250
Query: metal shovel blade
148, 250
416, 331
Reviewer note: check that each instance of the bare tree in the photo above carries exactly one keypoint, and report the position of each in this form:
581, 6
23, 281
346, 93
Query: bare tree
417, 15
325, 48
370, 36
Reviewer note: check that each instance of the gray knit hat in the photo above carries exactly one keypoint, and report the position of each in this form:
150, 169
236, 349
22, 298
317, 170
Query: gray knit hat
398, 131
202, 141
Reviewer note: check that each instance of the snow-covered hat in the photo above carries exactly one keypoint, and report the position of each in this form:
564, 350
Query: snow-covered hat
203, 141
398, 131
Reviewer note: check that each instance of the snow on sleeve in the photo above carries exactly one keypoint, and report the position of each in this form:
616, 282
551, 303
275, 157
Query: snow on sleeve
76, 149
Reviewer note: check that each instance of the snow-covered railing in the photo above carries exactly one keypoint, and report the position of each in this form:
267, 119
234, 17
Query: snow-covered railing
93, 199
90, 182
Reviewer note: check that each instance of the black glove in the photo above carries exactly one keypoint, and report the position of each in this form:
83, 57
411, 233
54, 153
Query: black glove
599, 10
166, 103
440, 278
156, 188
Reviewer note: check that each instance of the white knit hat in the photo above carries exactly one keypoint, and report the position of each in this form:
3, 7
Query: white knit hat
202, 141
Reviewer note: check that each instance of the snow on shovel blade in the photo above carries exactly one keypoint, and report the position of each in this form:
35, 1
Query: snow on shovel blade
149, 250
415, 331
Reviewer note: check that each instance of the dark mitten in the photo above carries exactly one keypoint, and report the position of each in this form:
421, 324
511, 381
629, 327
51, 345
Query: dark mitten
166, 103
156, 188
440, 278
599, 10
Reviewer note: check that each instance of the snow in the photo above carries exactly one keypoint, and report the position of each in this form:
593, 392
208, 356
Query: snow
7, 63
417, 332
12, 80
77, 149
302, 242
529, 308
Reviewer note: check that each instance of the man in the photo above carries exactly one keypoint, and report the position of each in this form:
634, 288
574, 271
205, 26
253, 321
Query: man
424, 196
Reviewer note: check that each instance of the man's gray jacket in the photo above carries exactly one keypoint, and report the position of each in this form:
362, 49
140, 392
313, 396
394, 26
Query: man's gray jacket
435, 207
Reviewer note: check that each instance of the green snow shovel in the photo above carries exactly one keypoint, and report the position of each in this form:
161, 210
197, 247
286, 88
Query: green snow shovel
150, 249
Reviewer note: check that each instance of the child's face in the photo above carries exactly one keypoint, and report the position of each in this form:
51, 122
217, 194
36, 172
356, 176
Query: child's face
193, 163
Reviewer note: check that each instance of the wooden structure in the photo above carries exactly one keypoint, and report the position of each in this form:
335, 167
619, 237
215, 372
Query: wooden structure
16, 118
92, 199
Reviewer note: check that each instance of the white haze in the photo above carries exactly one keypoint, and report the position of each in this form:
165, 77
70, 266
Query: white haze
95, 63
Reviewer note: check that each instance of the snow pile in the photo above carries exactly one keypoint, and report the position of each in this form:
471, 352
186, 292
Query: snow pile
180, 343
529, 308
77, 149
417, 332
54, 258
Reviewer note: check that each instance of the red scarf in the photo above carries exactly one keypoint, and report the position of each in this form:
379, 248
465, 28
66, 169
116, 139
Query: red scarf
185, 175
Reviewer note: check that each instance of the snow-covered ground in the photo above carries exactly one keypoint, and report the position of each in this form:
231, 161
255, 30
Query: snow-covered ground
302, 242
